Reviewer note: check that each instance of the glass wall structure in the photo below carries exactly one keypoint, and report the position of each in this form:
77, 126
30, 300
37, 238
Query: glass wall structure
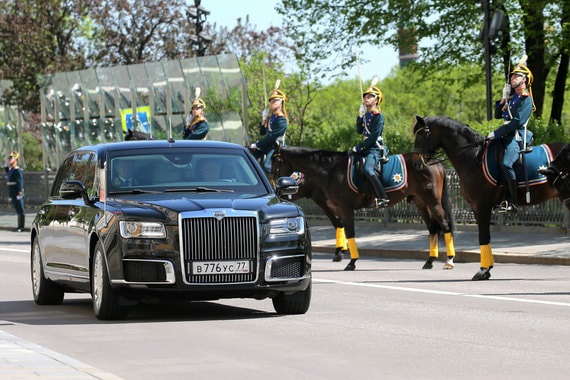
103, 104
10, 124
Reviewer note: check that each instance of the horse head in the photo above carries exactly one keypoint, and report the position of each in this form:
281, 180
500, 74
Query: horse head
424, 144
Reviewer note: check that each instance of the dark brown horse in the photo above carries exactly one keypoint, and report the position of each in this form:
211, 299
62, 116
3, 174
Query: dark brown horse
558, 174
325, 182
462, 146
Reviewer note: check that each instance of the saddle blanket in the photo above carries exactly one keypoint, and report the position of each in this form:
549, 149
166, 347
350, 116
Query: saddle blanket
539, 158
393, 174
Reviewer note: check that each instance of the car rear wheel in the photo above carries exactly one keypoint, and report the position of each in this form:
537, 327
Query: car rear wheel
45, 291
106, 305
297, 303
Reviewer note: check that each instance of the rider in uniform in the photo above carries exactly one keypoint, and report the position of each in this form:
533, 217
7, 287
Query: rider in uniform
272, 127
515, 110
15, 182
197, 126
370, 124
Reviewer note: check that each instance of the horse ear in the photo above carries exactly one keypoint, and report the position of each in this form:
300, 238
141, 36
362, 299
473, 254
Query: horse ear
416, 121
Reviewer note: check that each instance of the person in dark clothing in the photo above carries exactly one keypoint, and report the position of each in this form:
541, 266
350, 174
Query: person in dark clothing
15, 182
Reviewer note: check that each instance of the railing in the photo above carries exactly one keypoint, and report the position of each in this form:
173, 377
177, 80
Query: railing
551, 214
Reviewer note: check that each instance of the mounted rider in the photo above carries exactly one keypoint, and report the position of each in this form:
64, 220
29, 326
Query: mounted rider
272, 127
370, 124
197, 126
515, 110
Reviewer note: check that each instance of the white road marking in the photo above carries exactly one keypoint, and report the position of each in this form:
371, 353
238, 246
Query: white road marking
441, 292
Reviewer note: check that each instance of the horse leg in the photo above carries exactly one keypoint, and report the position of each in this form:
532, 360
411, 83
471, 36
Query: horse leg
487, 260
353, 249
450, 248
341, 247
433, 250
340, 244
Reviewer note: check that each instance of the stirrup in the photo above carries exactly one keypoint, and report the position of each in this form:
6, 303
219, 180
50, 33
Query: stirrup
380, 202
506, 206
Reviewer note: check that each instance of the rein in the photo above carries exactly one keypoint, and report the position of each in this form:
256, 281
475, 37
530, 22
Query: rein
425, 157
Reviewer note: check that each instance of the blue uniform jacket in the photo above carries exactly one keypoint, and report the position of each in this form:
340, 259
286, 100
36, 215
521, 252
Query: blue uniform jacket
521, 108
275, 130
15, 181
371, 127
196, 131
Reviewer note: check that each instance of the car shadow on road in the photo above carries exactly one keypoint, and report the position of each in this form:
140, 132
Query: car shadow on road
80, 311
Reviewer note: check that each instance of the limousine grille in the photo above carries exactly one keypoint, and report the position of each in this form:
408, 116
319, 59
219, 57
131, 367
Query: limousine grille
217, 242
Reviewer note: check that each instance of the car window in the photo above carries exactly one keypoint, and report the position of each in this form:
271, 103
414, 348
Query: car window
81, 167
172, 171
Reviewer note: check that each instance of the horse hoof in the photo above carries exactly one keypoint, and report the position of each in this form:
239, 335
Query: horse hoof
429, 263
337, 257
483, 274
350, 267
450, 266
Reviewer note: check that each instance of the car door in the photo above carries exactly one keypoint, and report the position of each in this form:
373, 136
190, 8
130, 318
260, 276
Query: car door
71, 221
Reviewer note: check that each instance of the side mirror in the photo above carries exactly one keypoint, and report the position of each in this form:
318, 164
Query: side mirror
74, 189
286, 186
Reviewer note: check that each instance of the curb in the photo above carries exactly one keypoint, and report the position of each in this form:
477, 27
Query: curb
460, 256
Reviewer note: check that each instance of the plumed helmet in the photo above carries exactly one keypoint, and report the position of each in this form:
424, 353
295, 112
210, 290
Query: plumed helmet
15, 155
522, 69
198, 102
277, 94
374, 90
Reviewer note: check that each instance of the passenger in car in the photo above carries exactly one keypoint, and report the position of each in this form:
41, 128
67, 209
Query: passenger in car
124, 174
209, 170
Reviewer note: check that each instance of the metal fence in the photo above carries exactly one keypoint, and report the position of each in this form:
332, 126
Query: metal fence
551, 214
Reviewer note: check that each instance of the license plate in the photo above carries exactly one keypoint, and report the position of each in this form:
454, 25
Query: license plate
220, 267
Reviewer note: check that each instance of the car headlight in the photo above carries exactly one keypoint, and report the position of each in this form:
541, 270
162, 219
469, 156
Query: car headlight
287, 226
142, 230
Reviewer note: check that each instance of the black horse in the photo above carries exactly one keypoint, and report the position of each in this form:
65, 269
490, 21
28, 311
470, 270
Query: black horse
463, 147
558, 174
325, 182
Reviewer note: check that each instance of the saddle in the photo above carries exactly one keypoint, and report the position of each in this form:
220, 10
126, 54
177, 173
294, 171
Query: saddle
392, 173
535, 159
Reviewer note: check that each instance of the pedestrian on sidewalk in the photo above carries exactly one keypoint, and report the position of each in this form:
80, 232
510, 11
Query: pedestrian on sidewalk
15, 182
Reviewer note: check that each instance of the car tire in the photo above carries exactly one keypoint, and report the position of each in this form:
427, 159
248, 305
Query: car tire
45, 291
297, 303
106, 305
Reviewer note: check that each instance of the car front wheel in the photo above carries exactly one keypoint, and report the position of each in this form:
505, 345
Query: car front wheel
106, 305
45, 291
296, 303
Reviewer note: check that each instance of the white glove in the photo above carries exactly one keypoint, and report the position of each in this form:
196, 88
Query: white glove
188, 119
18, 197
506, 91
362, 110
491, 136
355, 149
264, 115
253, 146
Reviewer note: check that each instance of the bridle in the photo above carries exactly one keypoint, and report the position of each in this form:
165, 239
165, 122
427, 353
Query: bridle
422, 147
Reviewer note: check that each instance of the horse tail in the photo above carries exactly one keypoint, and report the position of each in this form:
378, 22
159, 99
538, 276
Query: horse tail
446, 204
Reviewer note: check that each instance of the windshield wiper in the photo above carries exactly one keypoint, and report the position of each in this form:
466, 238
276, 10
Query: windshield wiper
199, 189
134, 191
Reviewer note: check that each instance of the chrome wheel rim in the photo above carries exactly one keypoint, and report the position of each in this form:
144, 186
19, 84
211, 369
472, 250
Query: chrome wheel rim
36, 270
97, 280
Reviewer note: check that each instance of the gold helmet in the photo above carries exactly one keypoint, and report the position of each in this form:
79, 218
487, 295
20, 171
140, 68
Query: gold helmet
374, 90
14, 155
198, 102
278, 94
524, 70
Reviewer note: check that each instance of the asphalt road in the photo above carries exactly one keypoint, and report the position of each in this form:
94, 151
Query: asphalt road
388, 319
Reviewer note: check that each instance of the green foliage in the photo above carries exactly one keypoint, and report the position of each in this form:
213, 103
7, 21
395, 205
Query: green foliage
32, 153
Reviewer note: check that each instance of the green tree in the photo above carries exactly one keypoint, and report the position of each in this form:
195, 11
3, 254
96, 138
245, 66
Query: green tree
319, 27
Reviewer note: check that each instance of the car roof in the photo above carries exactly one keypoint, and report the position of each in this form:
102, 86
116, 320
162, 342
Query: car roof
157, 144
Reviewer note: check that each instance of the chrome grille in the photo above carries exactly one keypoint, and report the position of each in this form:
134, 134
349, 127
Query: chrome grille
208, 239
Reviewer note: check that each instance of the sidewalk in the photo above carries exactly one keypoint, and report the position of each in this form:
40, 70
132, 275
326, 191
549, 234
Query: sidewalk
509, 245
